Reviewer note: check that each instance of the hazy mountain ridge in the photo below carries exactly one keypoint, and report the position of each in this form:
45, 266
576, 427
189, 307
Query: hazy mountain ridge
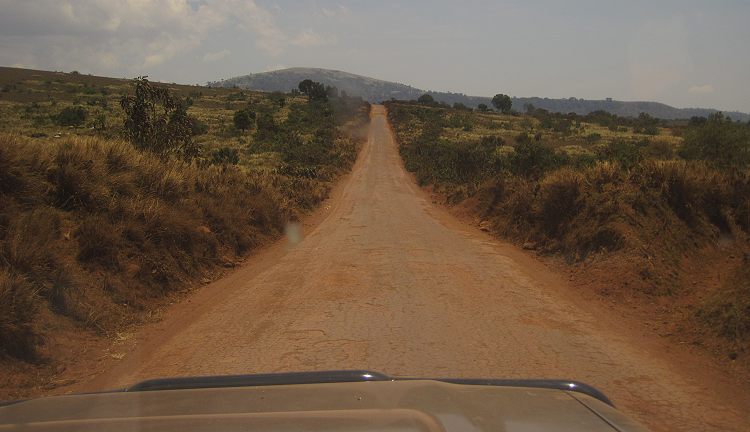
371, 89
375, 90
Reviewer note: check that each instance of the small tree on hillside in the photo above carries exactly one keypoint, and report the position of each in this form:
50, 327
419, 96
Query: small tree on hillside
156, 121
243, 119
426, 99
265, 124
502, 102
304, 86
482, 107
313, 90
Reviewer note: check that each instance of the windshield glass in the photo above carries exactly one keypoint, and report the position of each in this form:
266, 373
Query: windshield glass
488, 190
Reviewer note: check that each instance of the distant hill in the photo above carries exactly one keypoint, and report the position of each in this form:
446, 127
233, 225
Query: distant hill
375, 90
371, 89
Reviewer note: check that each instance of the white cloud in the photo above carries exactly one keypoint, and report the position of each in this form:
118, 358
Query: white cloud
216, 56
251, 17
701, 89
310, 38
339, 11
130, 37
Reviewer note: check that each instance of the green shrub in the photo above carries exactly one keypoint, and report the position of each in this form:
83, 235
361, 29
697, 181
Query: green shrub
243, 119
532, 158
720, 141
626, 153
426, 99
71, 116
156, 121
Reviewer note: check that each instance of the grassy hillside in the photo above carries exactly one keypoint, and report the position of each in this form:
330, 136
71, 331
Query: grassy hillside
637, 209
375, 90
94, 231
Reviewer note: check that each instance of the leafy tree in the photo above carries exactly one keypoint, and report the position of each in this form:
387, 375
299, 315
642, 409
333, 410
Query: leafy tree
646, 124
157, 121
502, 102
243, 119
304, 86
482, 107
265, 123
313, 90
71, 116
426, 99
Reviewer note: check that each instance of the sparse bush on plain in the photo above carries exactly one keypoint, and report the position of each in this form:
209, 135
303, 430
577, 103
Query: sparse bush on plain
426, 99
71, 116
502, 102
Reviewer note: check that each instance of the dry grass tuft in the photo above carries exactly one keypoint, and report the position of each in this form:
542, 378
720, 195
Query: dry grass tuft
87, 223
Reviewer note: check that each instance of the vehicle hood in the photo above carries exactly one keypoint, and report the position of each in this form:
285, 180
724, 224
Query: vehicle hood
413, 405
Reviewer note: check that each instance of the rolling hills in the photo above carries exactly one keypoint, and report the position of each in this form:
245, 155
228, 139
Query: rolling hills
375, 90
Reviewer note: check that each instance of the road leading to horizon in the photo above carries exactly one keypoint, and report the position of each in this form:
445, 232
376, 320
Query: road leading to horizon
392, 283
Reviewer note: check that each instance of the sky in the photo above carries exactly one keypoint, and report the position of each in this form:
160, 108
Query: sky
684, 53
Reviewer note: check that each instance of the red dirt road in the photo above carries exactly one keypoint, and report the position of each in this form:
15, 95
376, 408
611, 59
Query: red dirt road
387, 281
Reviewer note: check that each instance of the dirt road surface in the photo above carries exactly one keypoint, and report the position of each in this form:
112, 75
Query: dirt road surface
386, 280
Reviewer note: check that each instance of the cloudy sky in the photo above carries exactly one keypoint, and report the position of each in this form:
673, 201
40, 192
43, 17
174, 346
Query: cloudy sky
685, 53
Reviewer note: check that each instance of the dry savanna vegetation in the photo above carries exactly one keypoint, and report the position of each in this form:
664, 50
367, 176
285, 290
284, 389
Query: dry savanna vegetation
117, 193
645, 211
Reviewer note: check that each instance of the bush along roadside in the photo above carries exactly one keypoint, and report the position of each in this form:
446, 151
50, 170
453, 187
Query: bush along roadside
639, 215
93, 230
